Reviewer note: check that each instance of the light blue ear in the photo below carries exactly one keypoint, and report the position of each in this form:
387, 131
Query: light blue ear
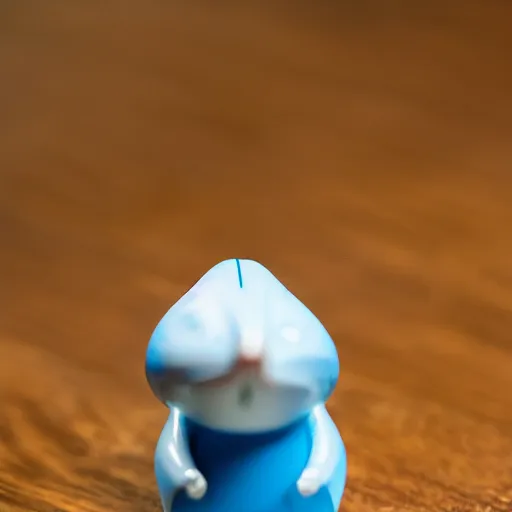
197, 338
183, 349
302, 353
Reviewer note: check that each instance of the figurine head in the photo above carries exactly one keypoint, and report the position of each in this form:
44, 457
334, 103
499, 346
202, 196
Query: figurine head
240, 353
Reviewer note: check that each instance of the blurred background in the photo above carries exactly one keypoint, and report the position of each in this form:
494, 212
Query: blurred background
360, 150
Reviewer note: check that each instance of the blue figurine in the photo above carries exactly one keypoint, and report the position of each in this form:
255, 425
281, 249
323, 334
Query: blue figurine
245, 369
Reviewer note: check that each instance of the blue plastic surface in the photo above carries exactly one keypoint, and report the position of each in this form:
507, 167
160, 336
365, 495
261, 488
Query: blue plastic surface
245, 369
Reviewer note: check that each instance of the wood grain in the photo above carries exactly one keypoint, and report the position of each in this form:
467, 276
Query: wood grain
360, 150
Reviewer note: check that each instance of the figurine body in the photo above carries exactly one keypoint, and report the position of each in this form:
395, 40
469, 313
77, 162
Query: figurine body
245, 369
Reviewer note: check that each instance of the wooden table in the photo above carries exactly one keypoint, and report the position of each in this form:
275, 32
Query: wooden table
360, 150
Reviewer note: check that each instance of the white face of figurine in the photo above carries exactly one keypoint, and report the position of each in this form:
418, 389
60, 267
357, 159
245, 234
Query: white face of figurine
240, 353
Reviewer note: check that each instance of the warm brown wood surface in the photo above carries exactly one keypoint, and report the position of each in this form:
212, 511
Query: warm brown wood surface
360, 150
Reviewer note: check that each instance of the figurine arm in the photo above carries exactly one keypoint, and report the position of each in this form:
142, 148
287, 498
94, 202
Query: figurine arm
174, 467
327, 460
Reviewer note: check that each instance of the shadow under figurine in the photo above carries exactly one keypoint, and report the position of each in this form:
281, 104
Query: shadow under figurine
245, 369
